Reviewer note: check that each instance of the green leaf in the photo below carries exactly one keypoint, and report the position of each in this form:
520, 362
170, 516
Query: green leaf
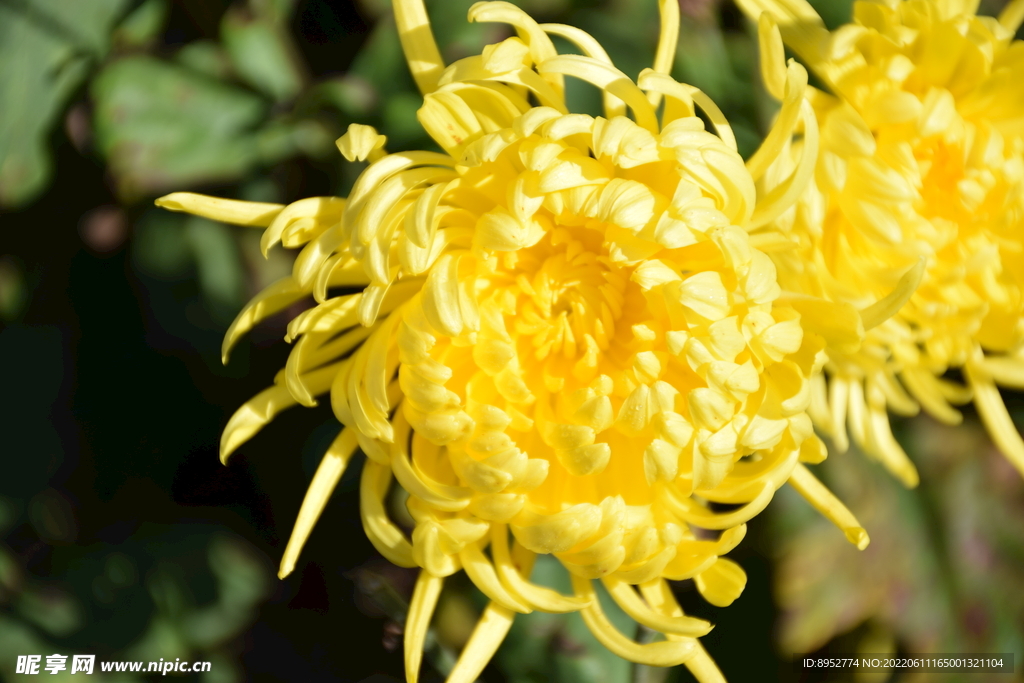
54, 611
159, 248
13, 291
219, 267
349, 94
278, 11
47, 48
206, 57
164, 127
143, 25
261, 53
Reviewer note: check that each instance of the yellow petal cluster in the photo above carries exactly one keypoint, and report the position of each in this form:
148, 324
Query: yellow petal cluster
556, 336
921, 168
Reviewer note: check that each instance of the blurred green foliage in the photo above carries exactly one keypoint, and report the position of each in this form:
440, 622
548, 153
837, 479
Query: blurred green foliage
152, 140
47, 48
945, 568
164, 125
178, 592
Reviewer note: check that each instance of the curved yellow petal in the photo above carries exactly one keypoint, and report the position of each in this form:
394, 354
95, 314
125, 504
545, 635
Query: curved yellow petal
481, 573
613, 106
995, 416
418, 43
417, 623
782, 129
320, 211
273, 299
440, 496
700, 516
537, 597
490, 630
332, 466
540, 46
257, 412
1012, 15
657, 82
786, 193
773, 56
721, 583
659, 596
888, 306
385, 536
668, 38
607, 78
253, 416
1006, 371
825, 502
667, 653
307, 355
801, 27
883, 446
234, 211
361, 143
631, 604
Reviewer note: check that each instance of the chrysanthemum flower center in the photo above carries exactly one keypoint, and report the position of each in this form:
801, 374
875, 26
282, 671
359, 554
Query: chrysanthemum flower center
563, 281
614, 334
583, 347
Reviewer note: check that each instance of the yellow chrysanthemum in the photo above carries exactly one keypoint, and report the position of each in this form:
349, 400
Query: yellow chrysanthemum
557, 328
921, 162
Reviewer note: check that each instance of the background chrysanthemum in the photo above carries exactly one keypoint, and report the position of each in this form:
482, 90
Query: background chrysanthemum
922, 160
563, 332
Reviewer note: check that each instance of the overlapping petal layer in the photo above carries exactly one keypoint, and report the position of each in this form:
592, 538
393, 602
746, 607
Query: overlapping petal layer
557, 336
922, 159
